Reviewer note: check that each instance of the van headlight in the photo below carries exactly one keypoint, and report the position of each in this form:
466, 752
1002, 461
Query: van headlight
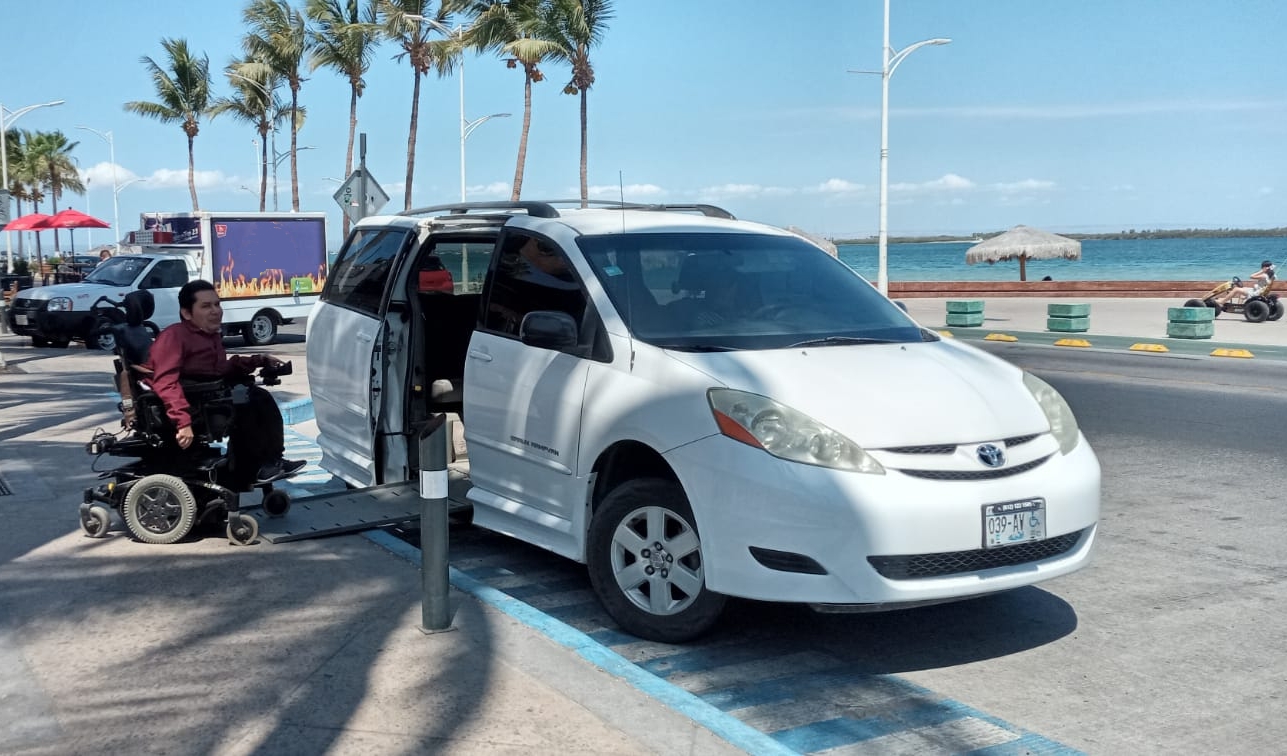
60, 304
785, 433
1063, 426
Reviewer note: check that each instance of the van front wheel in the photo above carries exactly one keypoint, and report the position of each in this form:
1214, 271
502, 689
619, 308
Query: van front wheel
646, 563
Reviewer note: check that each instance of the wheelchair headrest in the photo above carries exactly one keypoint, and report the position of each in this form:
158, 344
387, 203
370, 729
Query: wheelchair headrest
139, 306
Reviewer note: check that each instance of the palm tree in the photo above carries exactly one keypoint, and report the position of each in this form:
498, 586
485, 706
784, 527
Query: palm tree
576, 26
507, 27
413, 37
184, 96
22, 182
279, 38
49, 156
344, 39
253, 101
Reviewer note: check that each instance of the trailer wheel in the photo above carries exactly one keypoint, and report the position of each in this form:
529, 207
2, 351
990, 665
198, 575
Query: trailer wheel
261, 330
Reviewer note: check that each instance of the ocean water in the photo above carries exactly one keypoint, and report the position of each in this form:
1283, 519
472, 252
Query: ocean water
1101, 260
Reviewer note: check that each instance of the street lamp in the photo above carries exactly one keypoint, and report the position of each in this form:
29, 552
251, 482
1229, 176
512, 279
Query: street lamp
106, 136
5, 123
891, 61
466, 127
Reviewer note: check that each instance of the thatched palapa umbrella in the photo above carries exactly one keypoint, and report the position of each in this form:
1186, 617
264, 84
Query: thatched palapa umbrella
1024, 243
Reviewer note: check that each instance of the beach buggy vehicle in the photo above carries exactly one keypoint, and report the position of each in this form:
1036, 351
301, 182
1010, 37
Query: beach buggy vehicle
166, 491
1260, 306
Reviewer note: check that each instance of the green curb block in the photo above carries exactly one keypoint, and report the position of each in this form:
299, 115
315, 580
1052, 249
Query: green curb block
1190, 314
1190, 330
1068, 325
1068, 310
965, 306
965, 319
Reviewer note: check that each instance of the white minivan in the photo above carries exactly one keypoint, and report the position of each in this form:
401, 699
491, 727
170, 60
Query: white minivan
695, 407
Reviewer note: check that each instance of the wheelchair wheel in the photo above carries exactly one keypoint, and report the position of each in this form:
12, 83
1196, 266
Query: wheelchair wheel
95, 520
159, 509
242, 529
276, 503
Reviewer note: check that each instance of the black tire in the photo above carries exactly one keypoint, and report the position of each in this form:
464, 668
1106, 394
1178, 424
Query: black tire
1219, 308
38, 342
622, 548
276, 503
159, 509
1195, 303
95, 521
261, 330
1256, 310
242, 529
1275, 309
100, 336
59, 343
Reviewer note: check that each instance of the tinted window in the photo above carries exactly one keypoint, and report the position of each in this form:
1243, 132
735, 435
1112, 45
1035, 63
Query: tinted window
167, 274
360, 272
531, 274
740, 291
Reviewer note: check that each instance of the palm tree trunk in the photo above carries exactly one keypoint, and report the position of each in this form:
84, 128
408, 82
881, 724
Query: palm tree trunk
192, 174
411, 141
522, 140
585, 191
294, 153
348, 156
53, 205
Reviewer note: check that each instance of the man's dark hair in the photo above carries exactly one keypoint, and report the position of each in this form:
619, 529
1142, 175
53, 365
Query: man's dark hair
188, 294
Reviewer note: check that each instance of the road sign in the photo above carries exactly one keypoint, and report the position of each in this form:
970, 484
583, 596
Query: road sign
347, 196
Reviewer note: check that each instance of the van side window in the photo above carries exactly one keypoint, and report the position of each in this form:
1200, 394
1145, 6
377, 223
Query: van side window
358, 277
532, 274
455, 267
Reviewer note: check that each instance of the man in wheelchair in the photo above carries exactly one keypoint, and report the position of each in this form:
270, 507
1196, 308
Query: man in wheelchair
193, 349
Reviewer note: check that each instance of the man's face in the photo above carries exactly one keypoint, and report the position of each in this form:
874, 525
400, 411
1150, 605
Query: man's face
206, 313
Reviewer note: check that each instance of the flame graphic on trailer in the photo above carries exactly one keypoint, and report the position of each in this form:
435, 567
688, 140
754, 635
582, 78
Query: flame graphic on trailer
268, 257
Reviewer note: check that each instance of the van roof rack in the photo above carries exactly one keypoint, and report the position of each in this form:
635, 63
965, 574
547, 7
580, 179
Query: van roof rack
547, 210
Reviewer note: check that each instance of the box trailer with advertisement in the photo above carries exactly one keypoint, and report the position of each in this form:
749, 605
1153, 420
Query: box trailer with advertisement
268, 269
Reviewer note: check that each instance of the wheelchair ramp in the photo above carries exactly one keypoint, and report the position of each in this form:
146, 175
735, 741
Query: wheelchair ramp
353, 511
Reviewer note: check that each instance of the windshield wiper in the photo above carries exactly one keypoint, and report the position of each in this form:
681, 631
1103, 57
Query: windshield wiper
828, 340
697, 347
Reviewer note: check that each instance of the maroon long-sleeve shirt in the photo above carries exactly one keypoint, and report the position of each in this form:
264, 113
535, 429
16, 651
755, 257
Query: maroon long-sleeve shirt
183, 350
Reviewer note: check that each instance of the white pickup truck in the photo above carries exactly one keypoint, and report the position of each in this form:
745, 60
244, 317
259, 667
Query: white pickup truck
695, 407
268, 268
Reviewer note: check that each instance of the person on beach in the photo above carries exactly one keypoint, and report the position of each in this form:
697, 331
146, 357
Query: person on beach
1260, 278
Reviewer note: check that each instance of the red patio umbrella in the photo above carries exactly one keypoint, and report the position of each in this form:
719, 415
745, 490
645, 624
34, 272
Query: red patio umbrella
72, 218
29, 222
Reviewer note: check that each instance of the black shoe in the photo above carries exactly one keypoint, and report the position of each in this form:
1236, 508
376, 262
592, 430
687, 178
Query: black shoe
282, 468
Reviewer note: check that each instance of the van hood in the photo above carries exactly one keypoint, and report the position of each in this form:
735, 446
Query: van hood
887, 395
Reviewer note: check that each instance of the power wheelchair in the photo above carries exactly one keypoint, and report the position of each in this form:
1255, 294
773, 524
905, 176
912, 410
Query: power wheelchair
166, 491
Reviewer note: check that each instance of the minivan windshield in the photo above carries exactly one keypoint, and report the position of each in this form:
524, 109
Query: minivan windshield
714, 291
121, 270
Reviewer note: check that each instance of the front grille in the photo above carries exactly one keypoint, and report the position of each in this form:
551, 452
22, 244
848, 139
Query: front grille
951, 448
967, 475
956, 562
1010, 443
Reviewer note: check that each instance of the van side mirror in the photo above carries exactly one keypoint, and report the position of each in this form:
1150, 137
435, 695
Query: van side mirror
549, 329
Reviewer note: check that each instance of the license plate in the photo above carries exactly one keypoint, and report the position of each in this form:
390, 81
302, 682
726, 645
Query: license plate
20, 319
1014, 522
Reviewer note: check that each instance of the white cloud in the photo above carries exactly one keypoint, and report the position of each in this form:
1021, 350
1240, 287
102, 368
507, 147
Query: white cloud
1266, 190
741, 191
494, 189
1027, 185
100, 174
631, 191
164, 178
838, 186
1051, 112
948, 182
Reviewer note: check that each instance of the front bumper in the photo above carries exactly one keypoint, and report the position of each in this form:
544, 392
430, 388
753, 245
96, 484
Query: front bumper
779, 531
28, 317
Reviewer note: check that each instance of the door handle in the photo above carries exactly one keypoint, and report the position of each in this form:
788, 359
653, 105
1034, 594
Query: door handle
480, 355
367, 337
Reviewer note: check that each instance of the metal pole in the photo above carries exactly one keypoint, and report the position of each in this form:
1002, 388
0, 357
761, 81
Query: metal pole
275, 163
461, 32
362, 180
4, 161
882, 269
435, 609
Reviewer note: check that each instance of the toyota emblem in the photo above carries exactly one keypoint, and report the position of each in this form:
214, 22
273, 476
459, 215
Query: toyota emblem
991, 455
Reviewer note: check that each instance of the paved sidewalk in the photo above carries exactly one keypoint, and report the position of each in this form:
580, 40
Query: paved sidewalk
112, 646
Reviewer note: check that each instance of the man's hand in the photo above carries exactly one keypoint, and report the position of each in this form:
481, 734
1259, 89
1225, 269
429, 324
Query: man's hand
184, 437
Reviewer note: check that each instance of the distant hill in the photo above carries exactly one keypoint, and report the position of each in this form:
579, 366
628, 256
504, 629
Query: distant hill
1176, 233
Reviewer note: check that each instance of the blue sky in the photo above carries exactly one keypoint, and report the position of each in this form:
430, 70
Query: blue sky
1097, 115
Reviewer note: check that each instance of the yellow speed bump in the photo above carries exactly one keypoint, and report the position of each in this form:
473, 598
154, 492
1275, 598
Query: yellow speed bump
1000, 337
1148, 348
1072, 343
946, 334
1241, 353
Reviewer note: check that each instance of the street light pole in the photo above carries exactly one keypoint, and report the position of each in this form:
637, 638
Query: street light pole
116, 210
465, 130
5, 123
890, 61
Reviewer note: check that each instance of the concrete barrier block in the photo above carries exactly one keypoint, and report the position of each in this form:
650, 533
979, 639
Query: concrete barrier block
1068, 325
965, 319
1177, 330
965, 306
1190, 314
1065, 310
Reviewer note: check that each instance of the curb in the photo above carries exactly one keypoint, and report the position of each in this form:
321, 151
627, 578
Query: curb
297, 411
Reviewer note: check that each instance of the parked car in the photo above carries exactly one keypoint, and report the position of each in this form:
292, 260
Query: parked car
74, 268
696, 407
